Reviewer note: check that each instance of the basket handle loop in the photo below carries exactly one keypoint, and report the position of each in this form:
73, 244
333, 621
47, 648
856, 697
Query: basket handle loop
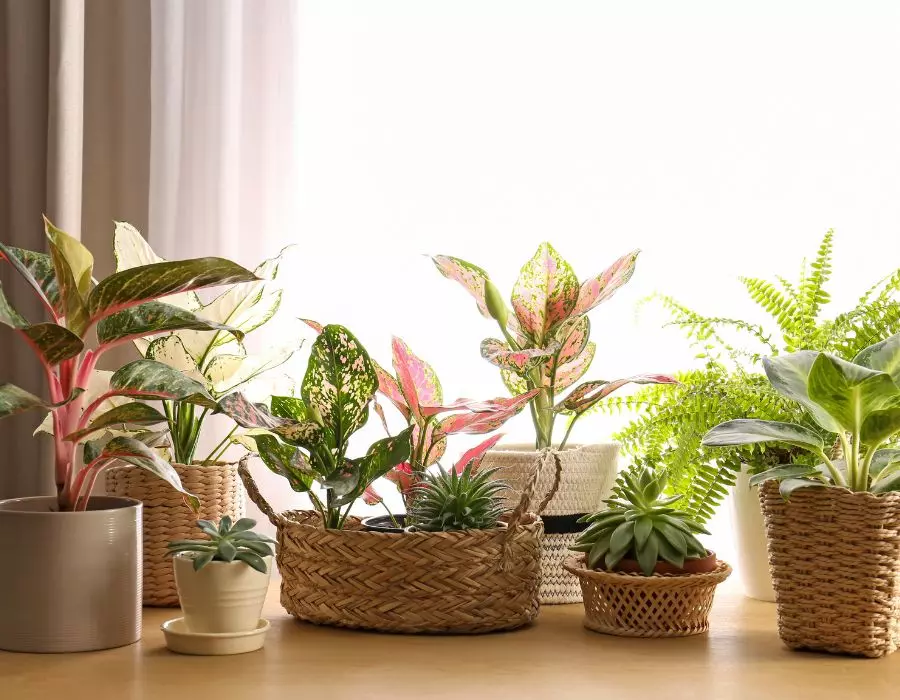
253, 491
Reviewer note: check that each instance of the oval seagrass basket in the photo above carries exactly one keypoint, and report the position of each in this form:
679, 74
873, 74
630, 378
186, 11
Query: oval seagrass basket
167, 517
633, 605
466, 582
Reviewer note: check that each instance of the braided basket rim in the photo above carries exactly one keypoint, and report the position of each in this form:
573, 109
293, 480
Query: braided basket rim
577, 566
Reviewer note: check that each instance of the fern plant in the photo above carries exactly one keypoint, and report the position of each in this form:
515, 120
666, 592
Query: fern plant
670, 422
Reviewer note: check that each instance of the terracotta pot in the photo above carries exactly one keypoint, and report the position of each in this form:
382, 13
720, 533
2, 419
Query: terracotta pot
691, 566
750, 539
70, 581
223, 597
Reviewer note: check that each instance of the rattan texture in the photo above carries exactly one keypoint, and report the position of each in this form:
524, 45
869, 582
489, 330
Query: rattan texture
633, 605
419, 582
587, 478
167, 517
835, 561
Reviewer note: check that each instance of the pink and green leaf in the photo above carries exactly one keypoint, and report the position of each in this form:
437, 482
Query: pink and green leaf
418, 381
499, 353
315, 325
388, 386
572, 371
600, 288
470, 276
480, 423
371, 497
574, 335
545, 293
588, 394
475, 455
403, 477
73, 303
434, 445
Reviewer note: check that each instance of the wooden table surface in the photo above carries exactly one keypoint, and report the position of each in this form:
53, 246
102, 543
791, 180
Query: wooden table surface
556, 658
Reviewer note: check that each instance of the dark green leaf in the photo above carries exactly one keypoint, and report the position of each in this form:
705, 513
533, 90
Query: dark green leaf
37, 269
227, 551
744, 431
52, 342
14, 400
648, 553
254, 561
151, 318
599, 550
148, 379
643, 527
784, 471
131, 414
202, 560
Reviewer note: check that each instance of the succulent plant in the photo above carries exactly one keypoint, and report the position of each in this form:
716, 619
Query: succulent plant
227, 542
639, 524
449, 500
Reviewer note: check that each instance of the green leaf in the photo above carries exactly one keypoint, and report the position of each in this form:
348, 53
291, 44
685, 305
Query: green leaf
14, 400
849, 392
149, 380
882, 357
745, 431
254, 561
73, 302
648, 553
137, 454
202, 560
227, 551
137, 285
545, 294
620, 542
248, 414
76, 255
670, 553
340, 382
286, 461
152, 318
36, 269
788, 486
599, 550
879, 426
784, 471
53, 343
290, 407
643, 527
789, 374
131, 414
673, 535
883, 459
383, 456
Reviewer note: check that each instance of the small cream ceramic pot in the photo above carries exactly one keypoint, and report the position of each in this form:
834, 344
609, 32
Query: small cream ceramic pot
223, 597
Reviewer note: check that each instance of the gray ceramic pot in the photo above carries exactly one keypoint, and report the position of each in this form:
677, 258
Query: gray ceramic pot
69, 581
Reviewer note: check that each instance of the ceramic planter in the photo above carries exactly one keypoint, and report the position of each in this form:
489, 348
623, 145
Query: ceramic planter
223, 597
70, 581
588, 473
750, 539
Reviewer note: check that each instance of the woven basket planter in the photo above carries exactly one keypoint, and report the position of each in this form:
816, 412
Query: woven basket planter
423, 582
835, 561
633, 605
167, 517
588, 473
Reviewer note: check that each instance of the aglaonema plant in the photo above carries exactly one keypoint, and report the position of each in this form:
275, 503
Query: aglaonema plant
119, 308
546, 345
858, 400
306, 439
218, 359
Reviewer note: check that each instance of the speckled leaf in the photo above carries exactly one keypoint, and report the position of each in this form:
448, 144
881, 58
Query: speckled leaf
589, 393
498, 353
470, 276
513, 382
137, 285
37, 269
482, 406
315, 325
435, 444
286, 461
340, 381
14, 400
130, 414
475, 455
571, 372
148, 379
388, 386
545, 293
383, 456
600, 288
418, 382
574, 335
248, 414
479, 423
53, 343
137, 454
152, 318
170, 351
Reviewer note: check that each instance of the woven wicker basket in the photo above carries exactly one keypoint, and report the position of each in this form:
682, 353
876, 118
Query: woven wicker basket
588, 475
433, 582
633, 605
835, 561
167, 517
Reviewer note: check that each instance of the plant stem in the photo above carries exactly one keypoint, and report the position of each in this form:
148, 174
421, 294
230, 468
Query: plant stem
857, 480
565, 439
836, 475
219, 449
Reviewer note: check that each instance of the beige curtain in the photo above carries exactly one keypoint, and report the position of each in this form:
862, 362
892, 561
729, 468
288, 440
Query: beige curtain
74, 144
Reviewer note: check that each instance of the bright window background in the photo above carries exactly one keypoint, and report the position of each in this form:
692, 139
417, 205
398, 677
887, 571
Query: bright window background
722, 138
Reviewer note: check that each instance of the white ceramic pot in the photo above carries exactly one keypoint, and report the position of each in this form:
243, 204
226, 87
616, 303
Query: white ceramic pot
223, 597
752, 561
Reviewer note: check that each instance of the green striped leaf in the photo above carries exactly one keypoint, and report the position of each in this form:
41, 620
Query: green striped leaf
129, 414
151, 380
52, 342
37, 270
746, 431
151, 318
14, 399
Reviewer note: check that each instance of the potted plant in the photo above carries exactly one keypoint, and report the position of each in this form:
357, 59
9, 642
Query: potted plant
450, 500
833, 526
671, 421
75, 547
222, 584
643, 571
334, 571
219, 361
545, 348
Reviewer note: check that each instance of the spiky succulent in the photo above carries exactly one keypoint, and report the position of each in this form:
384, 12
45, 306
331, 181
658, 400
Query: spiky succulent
640, 525
449, 500
227, 542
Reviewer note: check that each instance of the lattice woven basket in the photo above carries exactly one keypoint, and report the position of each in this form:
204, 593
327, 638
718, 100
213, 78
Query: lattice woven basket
167, 517
422, 582
587, 477
835, 561
632, 605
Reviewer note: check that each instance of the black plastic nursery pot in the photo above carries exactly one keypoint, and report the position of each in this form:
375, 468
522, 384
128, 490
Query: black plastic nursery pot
384, 523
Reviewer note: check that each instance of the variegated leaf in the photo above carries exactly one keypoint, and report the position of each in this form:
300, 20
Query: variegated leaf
340, 382
883, 357
520, 361
78, 257
290, 407
745, 431
36, 269
225, 373
97, 386
286, 461
132, 250
137, 454
513, 382
475, 455
388, 386
589, 393
403, 477
130, 414
789, 375
371, 497
480, 423
73, 303
433, 447
53, 343
170, 351
850, 392
600, 288
574, 335
483, 406
571, 372
248, 414
315, 325
383, 456
379, 411
151, 380
545, 293
153, 318
418, 381
14, 400
137, 285
470, 276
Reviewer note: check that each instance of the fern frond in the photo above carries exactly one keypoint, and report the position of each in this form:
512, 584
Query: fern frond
812, 288
774, 302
